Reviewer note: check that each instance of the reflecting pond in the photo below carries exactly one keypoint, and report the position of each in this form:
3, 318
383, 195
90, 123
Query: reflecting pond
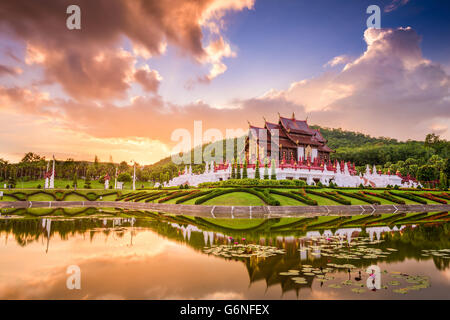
165, 257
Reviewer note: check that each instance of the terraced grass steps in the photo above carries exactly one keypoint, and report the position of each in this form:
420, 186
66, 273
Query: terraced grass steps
359, 196
408, 196
296, 196
330, 195
385, 196
193, 196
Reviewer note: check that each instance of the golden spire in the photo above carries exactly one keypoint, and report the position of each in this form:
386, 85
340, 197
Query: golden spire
293, 115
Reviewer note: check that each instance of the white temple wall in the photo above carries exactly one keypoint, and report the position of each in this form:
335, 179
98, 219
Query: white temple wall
300, 153
313, 154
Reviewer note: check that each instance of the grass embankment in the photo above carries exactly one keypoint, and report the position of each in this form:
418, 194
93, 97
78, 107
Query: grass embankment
237, 196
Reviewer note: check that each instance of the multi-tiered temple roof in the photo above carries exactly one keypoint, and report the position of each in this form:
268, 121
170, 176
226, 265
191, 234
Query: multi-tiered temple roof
295, 139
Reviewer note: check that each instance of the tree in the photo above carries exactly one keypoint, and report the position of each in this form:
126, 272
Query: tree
87, 182
233, 170
273, 175
123, 166
238, 168
257, 176
75, 180
426, 173
266, 170
244, 171
124, 177
443, 181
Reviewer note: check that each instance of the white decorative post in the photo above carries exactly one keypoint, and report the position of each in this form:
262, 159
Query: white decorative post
134, 177
52, 177
107, 181
46, 176
115, 180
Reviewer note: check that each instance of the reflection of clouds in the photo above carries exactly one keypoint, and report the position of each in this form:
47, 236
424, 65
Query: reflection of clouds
446, 274
223, 296
184, 274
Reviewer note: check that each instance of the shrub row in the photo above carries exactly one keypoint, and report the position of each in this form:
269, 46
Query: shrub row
193, 195
429, 196
330, 195
155, 196
296, 196
359, 196
385, 196
149, 195
443, 195
175, 195
132, 196
253, 182
408, 196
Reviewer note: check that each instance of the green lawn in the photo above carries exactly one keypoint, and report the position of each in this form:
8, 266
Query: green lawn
230, 199
286, 201
235, 199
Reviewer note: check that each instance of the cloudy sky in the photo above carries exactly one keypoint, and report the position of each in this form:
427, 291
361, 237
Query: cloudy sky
140, 69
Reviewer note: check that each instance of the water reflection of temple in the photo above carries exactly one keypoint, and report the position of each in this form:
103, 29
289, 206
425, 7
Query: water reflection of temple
409, 240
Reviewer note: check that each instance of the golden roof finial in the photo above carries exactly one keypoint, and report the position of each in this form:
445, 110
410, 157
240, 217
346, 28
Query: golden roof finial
293, 115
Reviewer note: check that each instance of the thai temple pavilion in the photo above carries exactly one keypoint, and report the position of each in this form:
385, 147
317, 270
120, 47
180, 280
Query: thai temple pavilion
296, 141
300, 153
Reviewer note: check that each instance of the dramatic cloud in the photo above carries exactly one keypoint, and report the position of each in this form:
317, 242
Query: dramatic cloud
394, 5
390, 90
89, 63
5, 70
343, 59
148, 79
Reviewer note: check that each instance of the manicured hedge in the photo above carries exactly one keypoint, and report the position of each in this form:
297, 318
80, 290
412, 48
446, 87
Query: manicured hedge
295, 196
429, 196
175, 195
330, 195
443, 195
263, 196
193, 195
156, 196
359, 196
385, 196
408, 196
253, 182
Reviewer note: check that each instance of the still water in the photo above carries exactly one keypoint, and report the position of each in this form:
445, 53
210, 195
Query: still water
129, 258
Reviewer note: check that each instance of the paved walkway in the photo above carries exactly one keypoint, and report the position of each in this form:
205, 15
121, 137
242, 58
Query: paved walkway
235, 211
